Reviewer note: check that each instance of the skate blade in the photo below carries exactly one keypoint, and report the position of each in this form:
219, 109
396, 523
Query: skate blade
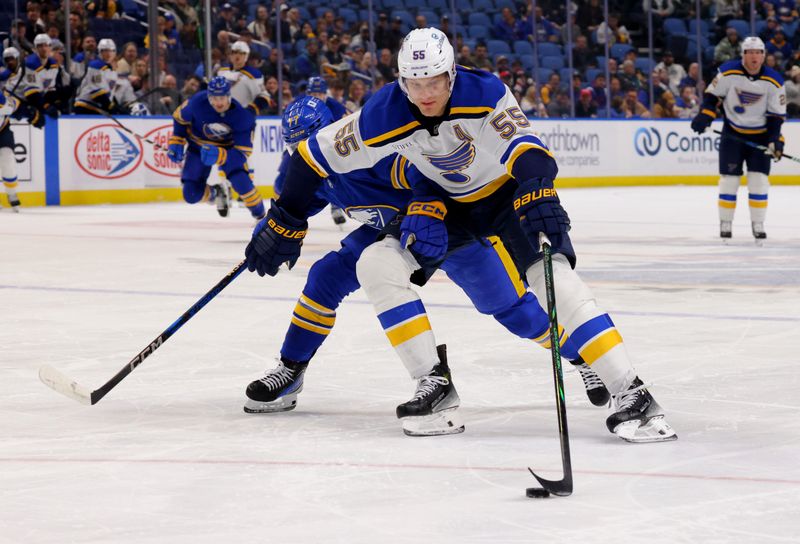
440, 423
283, 404
655, 429
759, 242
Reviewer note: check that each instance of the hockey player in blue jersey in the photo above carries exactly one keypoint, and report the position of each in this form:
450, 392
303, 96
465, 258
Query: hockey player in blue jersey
374, 196
484, 172
219, 131
753, 100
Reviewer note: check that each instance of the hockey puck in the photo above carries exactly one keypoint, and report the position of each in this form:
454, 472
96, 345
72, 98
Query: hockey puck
537, 493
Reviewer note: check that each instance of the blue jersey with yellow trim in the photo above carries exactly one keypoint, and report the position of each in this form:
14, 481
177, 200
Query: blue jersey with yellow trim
748, 100
198, 122
40, 75
468, 155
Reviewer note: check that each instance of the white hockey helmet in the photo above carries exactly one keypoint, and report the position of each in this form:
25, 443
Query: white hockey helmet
42, 39
107, 44
240, 47
11, 53
752, 42
425, 52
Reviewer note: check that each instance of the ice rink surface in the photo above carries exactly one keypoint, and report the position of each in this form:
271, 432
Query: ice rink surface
169, 455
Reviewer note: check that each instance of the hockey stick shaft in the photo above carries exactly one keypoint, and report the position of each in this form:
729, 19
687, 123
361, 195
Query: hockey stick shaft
128, 130
57, 381
761, 148
561, 487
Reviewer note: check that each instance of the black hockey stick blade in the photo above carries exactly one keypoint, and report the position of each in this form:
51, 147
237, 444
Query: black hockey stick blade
559, 488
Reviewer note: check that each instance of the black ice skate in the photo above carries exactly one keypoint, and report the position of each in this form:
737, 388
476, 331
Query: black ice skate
13, 200
595, 388
725, 230
639, 418
221, 196
339, 218
758, 232
277, 390
432, 411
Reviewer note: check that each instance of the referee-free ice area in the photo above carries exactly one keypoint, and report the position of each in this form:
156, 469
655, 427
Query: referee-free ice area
169, 455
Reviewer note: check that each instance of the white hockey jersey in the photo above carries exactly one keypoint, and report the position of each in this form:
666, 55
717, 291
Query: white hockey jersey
247, 84
6, 110
40, 75
10, 81
749, 100
100, 80
470, 156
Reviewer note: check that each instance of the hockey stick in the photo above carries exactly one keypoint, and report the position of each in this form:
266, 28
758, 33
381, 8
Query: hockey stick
562, 487
762, 148
104, 113
57, 381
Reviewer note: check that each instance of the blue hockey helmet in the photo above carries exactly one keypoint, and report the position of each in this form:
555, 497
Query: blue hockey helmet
317, 84
219, 86
303, 118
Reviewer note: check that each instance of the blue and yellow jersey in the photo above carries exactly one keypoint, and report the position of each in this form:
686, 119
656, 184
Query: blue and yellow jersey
469, 155
748, 100
40, 75
197, 122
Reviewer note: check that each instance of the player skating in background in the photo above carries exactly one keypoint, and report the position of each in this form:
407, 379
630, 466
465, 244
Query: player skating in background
374, 196
489, 175
219, 132
9, 106
96, 91
753, 102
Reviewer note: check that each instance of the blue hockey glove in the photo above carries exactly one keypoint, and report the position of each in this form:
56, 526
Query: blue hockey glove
776, 148
176, 150
702, 121
277, 239
539, 210
425, 221
211, 154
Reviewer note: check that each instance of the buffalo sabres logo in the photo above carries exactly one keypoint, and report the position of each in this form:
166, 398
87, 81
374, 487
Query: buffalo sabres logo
746, 98
375, 216
216, 131
457, 160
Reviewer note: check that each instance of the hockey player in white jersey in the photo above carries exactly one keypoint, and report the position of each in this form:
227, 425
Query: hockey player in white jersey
487, 174
45, 83
11, 74
753, 101
8, 163
96, 91
247, 84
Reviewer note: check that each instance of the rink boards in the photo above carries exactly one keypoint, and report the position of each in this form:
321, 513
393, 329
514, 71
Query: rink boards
92, 160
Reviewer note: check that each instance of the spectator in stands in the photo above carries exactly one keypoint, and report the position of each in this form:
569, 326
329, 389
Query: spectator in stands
270, 66
661, 10
729, 47
617, 32
101, 9
81, 60
505, 28
165, 99
616, 87
366, 70
784, 10
294, 20
129, 54
334, 54
386, 65
585, 108
306, 32
687, 103
771, 61
286, 32
224, 43
675, 72
307, 64
769, 30
465, 57
725, 10
224, 19
660, 82
444, 26
617, 110
481, 58
188, 37
421, 21
665, 106
271, 86
259, 26
628, 76
185, 11
355, 95
582, 56
792, 85
692, 77
546, 30
170, 33
190, 86
501, 65
77, 25
362, 38
633, 108
58, 51
34, 25
550, 88
779, 47
531, 104
613, 67
162, 37
54, 31
559, 107
590, 15
599, 90
576, 30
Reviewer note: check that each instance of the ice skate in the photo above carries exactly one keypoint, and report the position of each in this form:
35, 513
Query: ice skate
222, 198
725, 230
758, 232
13, 200
339, 218
638, 417
277, 390
432, 410
595, 388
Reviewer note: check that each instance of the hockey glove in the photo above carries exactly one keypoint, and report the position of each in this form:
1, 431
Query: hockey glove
211, 155
277, 239
776, 149
176, 150
425, 221
539, 210
702, 121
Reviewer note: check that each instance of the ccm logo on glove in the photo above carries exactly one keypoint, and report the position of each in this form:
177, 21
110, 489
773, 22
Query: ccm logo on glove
431, 209
286, 233
532, 196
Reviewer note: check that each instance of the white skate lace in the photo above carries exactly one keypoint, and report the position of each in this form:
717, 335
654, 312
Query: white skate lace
628, 398
590, 378
277, 377
427, 384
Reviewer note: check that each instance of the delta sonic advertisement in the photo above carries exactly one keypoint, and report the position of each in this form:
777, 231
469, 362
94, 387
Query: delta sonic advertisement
97, 153
642, 152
